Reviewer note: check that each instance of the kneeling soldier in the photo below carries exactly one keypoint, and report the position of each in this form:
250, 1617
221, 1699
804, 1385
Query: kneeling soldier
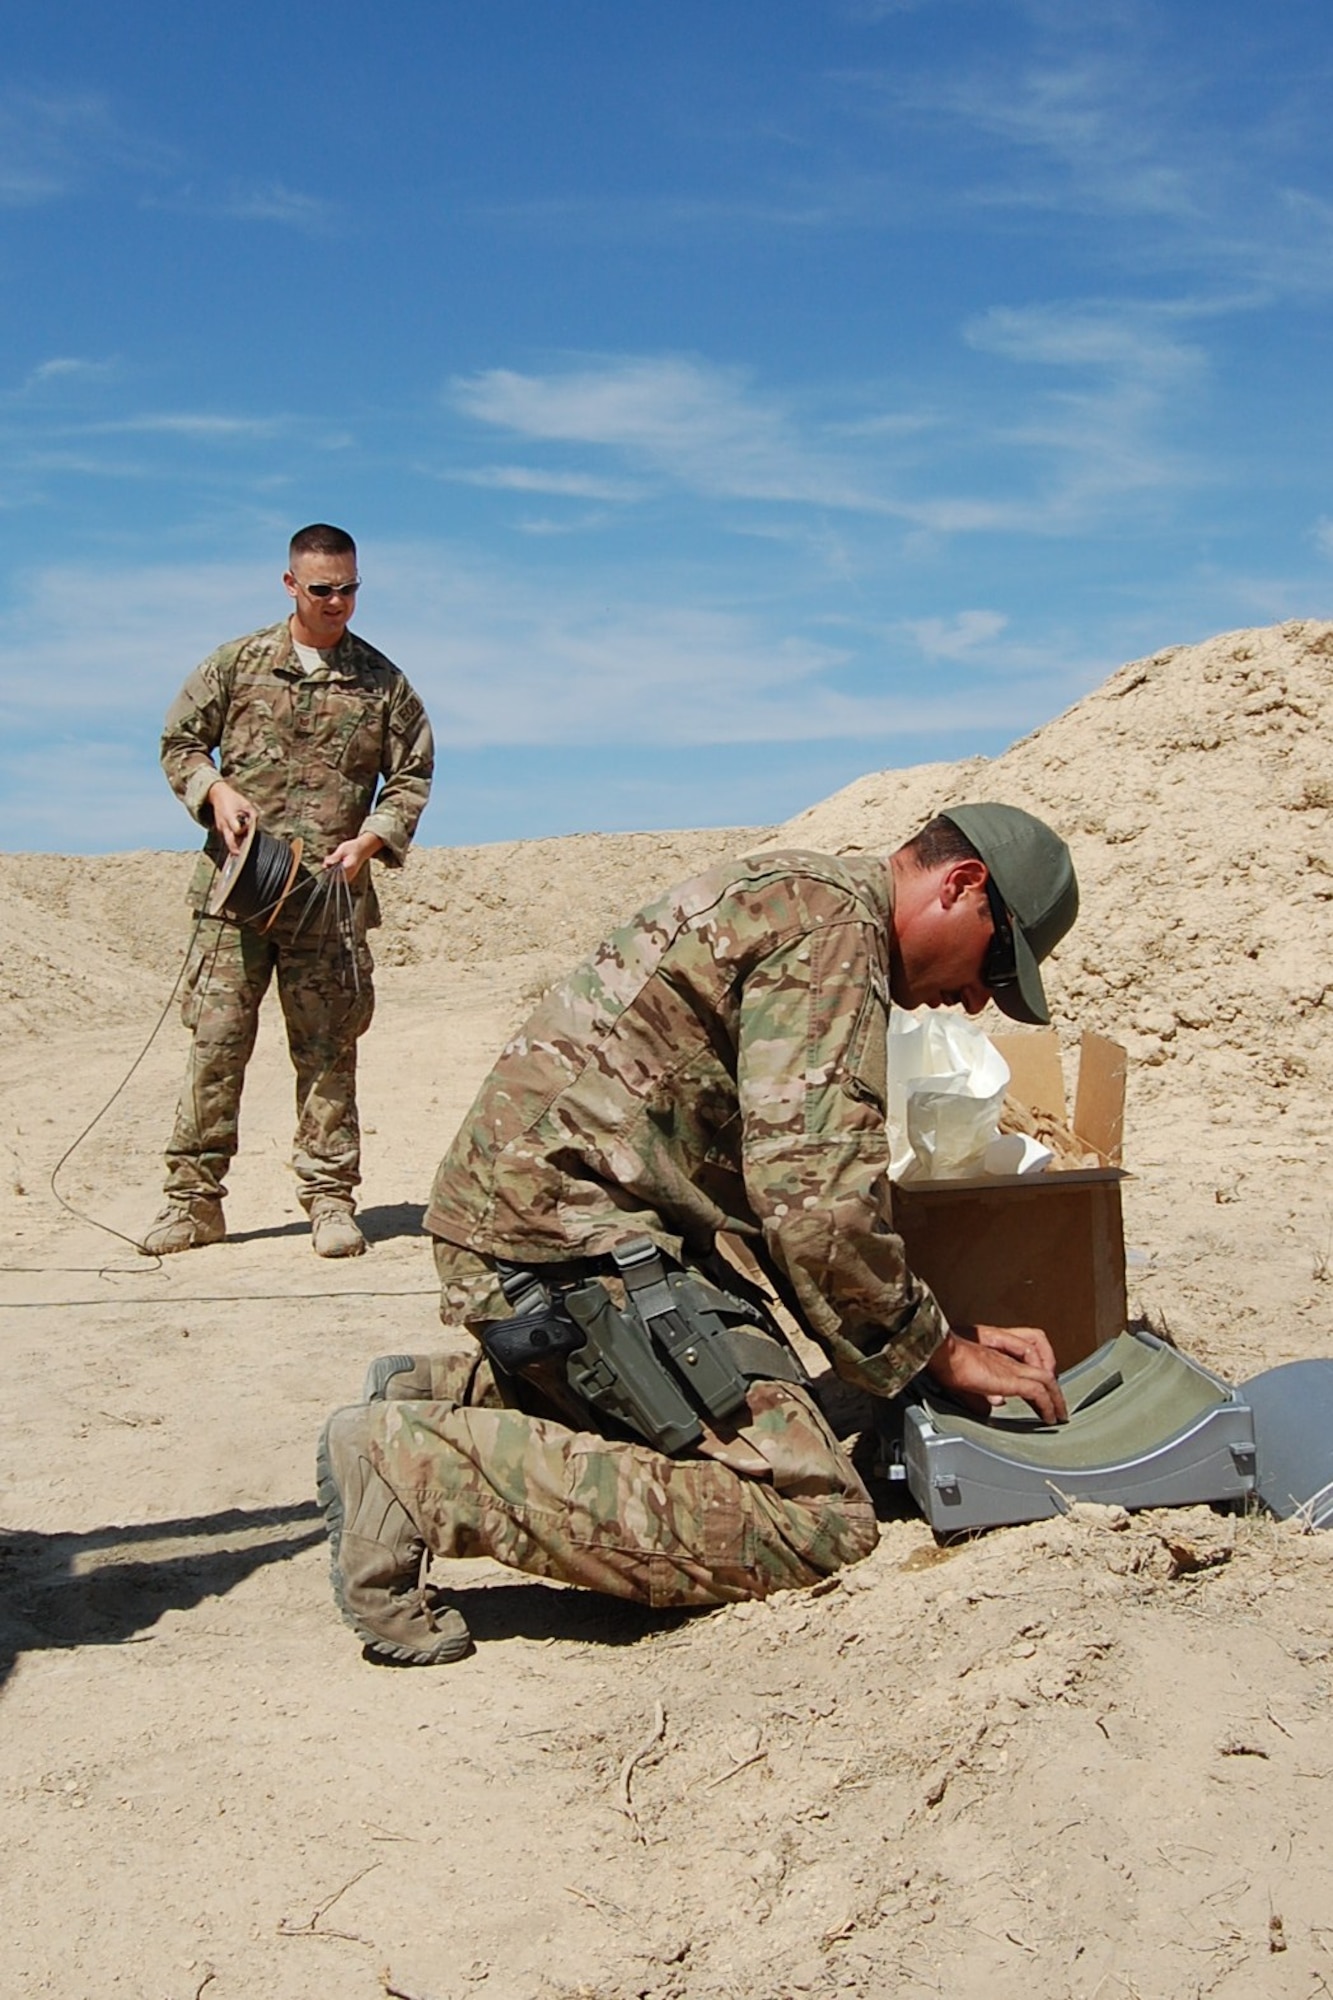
629, 1416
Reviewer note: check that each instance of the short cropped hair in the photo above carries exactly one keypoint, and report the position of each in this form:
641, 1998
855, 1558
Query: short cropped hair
319, 539
940, 842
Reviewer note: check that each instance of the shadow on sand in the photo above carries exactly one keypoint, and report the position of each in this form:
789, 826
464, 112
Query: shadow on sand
378, 1225
94, 1589
110, 1586
540, 1611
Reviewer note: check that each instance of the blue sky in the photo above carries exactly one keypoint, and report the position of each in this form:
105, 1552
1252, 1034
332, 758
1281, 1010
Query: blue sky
728, 396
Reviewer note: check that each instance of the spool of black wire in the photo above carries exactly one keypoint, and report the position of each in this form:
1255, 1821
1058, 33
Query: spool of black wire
265, 877
255, 882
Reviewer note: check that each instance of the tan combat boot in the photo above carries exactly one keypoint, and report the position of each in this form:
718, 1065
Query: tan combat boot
375, 1554
333, 1229
406, 1378
187, 1222
462, 1375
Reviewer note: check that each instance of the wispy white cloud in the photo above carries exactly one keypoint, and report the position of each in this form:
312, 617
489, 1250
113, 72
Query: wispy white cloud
1098, 112
1095, 122
565, 485
82, 642
52, 144
504, 656
1316, 211
1057, 448
43, 444
847, 199
65, 369
546, 526
267, 201
1038, 672
1102, 113
887, 424
274, 202
1109, 384
698, 422
1086, 129
500, 655
1288, 252
76, 464
1122, 340
959, 637
195, 424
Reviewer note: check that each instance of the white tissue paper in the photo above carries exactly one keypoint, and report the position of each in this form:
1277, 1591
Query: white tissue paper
1016, 1153
947, 1082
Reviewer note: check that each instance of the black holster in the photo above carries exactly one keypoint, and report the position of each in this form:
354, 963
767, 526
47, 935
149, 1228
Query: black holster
680, 1352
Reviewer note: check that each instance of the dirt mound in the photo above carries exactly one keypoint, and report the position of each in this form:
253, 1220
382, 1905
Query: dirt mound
98, 936
1195, 788
88, 940
542, 901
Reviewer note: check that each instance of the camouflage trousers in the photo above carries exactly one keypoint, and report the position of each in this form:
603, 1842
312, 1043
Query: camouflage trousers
774, 1504
325, 1008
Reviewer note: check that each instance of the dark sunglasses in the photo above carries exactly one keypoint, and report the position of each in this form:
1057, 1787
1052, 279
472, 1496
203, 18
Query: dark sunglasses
348, 589
1000, 965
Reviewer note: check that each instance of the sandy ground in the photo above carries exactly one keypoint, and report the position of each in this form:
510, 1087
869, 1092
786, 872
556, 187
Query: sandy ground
1087, 1758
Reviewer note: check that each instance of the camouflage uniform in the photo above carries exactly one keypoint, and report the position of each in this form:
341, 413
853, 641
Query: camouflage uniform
308, 750
719, 1064
622, 1518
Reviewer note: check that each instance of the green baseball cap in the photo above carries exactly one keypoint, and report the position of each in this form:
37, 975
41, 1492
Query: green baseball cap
1034, 875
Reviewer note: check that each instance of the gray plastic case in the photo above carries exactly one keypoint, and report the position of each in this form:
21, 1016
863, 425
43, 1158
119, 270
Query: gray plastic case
1147, 1428
1293, 1421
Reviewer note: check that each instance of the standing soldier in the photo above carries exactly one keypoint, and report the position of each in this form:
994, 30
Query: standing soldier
320, 738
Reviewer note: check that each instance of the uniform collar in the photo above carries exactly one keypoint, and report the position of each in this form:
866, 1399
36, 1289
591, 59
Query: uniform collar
339, 661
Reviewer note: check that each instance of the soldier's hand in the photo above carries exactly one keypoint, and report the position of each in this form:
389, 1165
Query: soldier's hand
984, 1365
1025, 1343
352, 855
232, 813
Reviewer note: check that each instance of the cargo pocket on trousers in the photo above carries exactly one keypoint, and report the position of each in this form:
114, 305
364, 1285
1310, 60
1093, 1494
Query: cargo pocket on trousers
194, 981
658, 1519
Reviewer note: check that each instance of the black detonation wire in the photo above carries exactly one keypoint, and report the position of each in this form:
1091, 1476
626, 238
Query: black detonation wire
184, 1298
331, 894
100, 1115
260, 886
260, 890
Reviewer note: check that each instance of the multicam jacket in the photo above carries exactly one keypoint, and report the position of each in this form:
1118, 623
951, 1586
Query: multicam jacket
307, 750
719, 1064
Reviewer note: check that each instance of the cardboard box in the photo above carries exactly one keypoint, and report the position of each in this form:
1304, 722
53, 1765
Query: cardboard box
1044, 1249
